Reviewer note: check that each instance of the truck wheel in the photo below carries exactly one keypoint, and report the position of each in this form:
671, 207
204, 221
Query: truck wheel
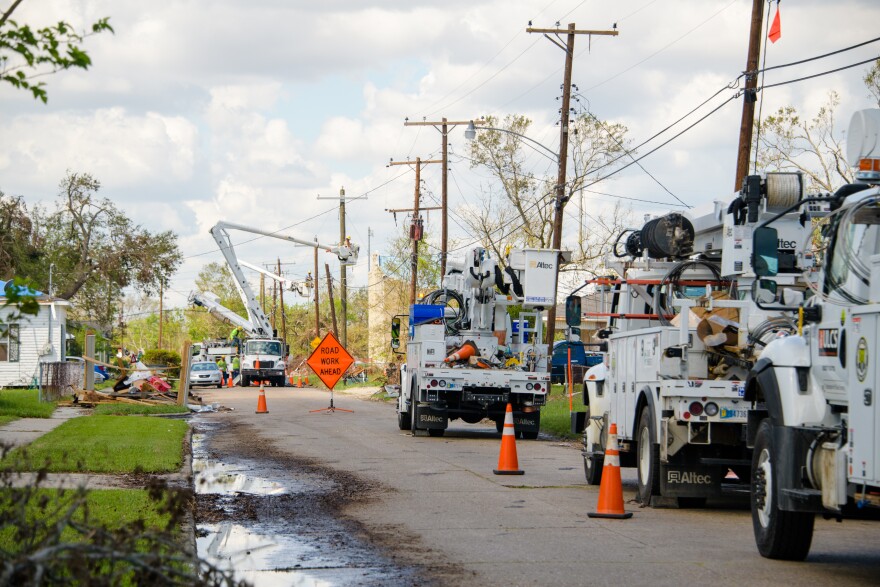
245, 381
648, 458
499, 425
436, 432
404, 418
593, 468
778, 534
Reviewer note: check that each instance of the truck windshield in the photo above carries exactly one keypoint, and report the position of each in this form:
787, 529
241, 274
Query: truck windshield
263, 347
857, 239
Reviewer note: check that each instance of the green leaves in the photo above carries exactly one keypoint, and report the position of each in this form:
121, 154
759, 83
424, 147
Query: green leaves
26, 53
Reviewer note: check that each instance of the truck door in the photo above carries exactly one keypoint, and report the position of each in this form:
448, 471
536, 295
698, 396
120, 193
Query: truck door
862, 356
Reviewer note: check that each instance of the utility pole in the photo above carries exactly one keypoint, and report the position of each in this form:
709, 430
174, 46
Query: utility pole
369, 251
161, 315
561, 198
315, 282
274, 305
281, 299
749, 94
415, 231
444, 191
343, 280
330, 293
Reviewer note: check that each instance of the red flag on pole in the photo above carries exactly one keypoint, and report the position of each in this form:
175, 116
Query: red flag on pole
775, 28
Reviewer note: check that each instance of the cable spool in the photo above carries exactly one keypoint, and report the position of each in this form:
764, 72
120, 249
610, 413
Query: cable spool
668, 236
783, 190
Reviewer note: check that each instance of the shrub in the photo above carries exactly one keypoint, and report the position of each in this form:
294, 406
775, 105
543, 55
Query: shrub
164, 358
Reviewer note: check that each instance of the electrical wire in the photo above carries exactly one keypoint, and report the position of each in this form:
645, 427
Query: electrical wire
830, 71
823, 56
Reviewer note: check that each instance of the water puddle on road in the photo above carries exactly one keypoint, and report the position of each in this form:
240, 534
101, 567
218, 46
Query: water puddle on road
266, 524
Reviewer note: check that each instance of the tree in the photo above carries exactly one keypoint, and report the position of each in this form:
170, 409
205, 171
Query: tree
872, 81
96, 250
789, 142
523, 215
18, 249
27, 53
214, 278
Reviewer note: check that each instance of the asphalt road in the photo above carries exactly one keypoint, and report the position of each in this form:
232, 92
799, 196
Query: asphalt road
439, 504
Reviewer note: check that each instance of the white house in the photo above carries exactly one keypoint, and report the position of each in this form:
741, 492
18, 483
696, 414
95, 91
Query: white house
27, 341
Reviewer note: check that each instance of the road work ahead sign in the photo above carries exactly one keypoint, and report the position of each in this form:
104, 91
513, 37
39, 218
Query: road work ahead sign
330, 360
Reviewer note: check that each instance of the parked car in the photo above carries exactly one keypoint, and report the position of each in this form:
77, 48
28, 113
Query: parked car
100, 372
579, 357
205, 373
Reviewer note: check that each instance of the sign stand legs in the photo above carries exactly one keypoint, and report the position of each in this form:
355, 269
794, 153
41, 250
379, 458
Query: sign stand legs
331, 409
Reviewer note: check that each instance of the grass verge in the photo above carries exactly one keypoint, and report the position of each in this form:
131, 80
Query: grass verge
135, 410
555, 416
106, 444
24, 403
112, 509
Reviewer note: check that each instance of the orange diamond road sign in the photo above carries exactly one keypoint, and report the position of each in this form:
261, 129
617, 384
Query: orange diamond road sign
330, 360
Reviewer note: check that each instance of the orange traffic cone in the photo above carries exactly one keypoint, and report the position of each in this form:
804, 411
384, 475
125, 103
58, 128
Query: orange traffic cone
291, 379
466, 351
610, 490
307, 379
261, 402
230, 381
299, 381
507, 462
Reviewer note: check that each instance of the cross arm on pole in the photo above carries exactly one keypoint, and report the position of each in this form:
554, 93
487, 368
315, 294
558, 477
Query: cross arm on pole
575, 32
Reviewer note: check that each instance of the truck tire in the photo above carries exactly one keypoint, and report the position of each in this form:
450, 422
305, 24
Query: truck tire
593, 468
245, 381
648, 461
779, 534
436, 432
499, 425
404, 418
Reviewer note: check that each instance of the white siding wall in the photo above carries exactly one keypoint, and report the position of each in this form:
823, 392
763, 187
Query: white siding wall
33, 337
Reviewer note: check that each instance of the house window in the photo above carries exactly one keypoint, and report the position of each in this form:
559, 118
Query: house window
9, 343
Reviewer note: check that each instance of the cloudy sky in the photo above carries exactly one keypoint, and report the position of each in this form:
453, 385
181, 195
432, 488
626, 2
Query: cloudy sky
203, 110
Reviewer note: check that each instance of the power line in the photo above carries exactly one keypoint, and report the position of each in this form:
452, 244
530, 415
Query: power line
830, 71
817, 57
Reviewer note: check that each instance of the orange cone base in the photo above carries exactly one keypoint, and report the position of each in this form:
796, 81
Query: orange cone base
515, 472
625, 516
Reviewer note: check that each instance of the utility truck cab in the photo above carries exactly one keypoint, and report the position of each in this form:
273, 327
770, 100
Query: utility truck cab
816, 416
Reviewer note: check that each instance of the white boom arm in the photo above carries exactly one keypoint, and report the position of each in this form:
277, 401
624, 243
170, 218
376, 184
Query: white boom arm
260, 325
288, 283
212, 304
347, 254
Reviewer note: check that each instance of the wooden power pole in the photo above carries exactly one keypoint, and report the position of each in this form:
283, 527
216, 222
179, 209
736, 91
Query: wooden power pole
330, 294
281, 301
343, 279
444, 190
415, 230
561, 198
749, 94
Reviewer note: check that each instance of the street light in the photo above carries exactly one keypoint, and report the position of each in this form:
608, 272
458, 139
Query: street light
470, 134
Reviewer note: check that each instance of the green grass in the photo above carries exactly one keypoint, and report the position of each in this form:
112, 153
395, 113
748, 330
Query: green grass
107, 444
135, 410
109, 508
7, 419
24, 403
555, 416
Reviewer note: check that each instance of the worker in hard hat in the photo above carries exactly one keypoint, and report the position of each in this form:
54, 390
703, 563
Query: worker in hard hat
235, 337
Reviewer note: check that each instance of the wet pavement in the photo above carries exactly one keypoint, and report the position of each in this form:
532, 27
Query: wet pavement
275, 521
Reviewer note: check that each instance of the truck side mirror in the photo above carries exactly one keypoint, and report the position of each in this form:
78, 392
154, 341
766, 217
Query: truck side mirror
573, 311
395, 333
764, 291
765, 252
